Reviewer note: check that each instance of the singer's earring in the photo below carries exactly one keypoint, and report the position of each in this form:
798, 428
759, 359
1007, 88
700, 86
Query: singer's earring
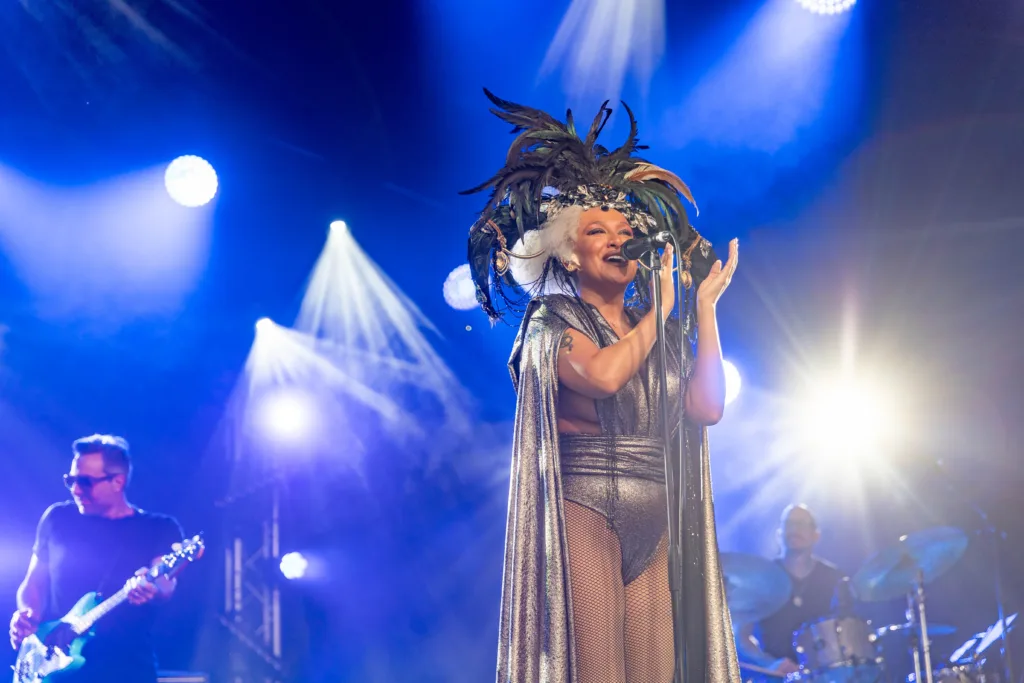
571, 266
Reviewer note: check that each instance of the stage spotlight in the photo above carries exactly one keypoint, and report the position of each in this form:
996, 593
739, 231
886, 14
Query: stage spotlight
264, 324
288, 416
191, 181
459, 290
339, 226
850, 418
294, 565
827, 6
733, 382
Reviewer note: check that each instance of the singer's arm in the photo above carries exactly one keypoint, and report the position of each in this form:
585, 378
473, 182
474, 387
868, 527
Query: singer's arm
599, 373
705, 395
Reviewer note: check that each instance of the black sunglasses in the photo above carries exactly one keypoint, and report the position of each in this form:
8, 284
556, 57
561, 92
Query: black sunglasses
84, 481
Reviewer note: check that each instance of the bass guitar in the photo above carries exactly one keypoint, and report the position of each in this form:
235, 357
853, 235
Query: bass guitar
56, 646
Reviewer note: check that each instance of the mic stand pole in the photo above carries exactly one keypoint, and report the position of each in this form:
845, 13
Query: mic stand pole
675, 555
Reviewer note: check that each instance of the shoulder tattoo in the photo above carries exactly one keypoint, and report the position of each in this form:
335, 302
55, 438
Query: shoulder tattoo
566, 343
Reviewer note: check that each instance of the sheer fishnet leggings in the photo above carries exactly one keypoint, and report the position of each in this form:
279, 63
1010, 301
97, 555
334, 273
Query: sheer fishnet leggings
623, 634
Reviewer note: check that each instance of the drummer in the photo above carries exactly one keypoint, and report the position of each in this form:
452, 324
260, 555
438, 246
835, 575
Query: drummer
769, 643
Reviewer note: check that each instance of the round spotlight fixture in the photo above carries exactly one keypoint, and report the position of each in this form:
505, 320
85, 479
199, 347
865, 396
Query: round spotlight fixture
191, 181
459, 289
294, 565
827, 6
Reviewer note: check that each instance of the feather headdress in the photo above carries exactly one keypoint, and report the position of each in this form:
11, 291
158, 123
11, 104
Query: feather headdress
551, 174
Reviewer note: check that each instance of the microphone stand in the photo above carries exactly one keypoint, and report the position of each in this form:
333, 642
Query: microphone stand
990, 530
675, 555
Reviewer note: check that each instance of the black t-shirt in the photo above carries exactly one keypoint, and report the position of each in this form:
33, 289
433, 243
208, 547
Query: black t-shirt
86, 553
811, 599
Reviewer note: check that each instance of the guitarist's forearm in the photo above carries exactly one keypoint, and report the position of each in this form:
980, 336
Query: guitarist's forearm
35, 587
30, 597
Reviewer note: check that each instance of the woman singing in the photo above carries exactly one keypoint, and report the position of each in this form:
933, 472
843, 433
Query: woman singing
586, 591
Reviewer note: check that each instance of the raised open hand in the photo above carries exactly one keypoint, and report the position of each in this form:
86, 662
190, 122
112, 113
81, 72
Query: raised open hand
720, 276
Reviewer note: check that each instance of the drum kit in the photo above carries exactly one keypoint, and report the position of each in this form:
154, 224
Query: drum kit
842, 647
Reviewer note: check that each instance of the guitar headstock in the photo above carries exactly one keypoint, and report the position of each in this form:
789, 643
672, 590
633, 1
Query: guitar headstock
175, 561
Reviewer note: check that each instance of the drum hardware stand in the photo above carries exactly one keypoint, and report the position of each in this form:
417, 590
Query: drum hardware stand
923, 650
996, 535
915, 651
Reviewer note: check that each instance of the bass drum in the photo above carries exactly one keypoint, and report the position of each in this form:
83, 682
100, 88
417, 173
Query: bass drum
837, 650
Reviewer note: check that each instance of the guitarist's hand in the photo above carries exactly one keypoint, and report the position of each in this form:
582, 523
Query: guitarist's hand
141, 591
23, 624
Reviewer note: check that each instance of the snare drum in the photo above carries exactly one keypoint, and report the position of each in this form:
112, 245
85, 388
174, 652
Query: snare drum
838, 650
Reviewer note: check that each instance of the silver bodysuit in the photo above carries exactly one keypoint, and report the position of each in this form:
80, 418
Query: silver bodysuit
620, 473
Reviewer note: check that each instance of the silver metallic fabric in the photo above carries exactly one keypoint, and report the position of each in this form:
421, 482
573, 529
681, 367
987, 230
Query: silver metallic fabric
622, 478
535, 630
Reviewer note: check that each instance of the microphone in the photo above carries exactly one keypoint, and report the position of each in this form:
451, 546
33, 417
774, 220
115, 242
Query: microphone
633, 249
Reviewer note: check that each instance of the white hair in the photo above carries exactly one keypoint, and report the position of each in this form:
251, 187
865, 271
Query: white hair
554, 240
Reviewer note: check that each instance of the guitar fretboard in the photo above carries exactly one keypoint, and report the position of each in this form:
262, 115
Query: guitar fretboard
86, 621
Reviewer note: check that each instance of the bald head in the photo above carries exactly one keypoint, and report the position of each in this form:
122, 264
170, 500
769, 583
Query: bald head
798, 529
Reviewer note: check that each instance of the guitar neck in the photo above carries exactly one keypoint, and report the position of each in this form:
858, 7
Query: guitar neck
87, 620
170, 566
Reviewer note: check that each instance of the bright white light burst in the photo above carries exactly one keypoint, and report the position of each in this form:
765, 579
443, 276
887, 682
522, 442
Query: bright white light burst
827, 6
288, 416
459, 290
191, 181
294, 565
850, 419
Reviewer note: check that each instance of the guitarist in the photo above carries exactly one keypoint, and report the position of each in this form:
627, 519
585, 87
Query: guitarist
95, 544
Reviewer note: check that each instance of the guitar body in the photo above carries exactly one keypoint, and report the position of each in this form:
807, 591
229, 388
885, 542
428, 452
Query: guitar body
54, 650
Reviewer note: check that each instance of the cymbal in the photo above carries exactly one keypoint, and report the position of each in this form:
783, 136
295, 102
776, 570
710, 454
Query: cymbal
994, 633
754, 587
893, 571
912, 629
